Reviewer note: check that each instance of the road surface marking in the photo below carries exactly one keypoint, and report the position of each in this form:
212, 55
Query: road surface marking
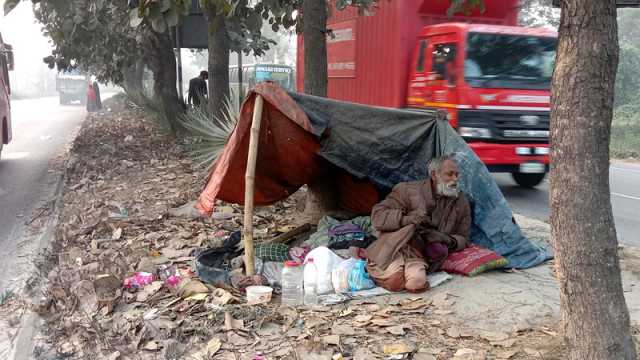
626, 196
625, 169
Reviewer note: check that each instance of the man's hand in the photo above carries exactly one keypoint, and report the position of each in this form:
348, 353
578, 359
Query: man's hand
414, 218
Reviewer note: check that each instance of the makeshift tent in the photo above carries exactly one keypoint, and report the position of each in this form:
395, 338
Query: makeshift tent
368, 150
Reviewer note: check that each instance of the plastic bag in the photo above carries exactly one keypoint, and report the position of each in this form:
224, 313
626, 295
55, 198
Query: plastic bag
272, 271
359, 278
325, 260
340, 275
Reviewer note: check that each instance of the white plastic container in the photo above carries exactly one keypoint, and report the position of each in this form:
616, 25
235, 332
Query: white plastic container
292, 284
325, 261
259, 294
310, 283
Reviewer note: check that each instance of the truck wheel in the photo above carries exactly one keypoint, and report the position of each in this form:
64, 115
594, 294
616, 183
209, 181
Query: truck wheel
528, 180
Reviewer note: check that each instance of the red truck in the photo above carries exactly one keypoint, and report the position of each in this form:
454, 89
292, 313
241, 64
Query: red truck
491, 76
6, 64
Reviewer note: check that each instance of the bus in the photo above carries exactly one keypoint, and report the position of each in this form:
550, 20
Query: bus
6, 65
254, 74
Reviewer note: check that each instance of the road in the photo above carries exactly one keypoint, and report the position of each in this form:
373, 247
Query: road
41, 129
625, 199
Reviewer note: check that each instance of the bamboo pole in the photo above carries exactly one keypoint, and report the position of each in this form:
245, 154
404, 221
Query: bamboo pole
249, 186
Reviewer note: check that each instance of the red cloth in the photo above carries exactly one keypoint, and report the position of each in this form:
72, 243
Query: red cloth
287, 158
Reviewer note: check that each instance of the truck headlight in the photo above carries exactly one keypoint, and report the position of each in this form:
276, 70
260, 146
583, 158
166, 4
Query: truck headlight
473, 132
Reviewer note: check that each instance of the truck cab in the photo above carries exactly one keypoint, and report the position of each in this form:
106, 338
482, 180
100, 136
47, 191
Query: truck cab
6, 64
491, 76
493, 81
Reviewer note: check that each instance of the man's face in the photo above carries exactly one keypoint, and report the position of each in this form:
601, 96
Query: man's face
446, 179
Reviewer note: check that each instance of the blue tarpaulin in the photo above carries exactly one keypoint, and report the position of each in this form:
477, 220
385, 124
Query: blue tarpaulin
388, 146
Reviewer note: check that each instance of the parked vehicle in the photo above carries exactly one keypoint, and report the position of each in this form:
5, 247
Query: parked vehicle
490, 76
253, 74
6, 65
72, 86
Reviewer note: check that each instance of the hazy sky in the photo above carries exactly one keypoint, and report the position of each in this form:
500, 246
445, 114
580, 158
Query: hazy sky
20, 29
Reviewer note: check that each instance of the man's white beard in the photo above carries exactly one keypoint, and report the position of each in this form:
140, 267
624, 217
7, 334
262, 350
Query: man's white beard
448, 189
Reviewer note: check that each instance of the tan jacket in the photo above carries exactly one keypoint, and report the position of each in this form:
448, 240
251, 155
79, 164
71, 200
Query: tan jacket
410, 200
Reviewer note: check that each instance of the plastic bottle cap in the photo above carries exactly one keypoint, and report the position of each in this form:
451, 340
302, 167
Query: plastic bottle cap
291, 263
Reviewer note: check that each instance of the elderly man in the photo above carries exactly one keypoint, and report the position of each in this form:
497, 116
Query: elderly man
420, 223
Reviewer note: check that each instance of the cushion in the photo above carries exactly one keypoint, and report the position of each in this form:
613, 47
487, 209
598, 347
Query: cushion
473, 261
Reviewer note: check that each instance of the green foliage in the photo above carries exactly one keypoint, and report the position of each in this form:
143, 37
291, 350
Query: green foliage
206, 139
625, 130
536, 13
628, 79
91, 34
243, 21
464, 6
5, 296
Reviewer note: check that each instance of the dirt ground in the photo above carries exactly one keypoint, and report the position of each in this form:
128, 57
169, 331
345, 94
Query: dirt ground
122, 180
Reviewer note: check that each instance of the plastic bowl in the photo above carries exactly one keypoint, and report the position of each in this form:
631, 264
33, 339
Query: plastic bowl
259, 294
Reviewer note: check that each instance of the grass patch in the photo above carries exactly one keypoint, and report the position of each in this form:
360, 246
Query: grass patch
625, 132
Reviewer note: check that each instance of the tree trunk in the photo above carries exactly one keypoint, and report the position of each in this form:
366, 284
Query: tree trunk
594, 312
321, 197
162, 62
132, 83
219, 47
315, 47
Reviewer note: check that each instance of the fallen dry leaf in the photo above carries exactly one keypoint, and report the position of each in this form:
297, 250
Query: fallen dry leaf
397, 348
456, 332
506, 354
221, 297
396, 330
331, 340
151, 346
464, 353
117, 234
345, 330
232, 324
531, 352
415, 304
188, 288
504, 343
383, 322
148, 291
213, 346
363, 318
494, 336
236, 339
208, 351
346, 312
86, 294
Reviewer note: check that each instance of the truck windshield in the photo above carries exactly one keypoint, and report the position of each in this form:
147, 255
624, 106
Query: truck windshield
509, 61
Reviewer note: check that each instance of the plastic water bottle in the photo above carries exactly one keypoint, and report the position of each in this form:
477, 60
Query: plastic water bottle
292, 284
310, 283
